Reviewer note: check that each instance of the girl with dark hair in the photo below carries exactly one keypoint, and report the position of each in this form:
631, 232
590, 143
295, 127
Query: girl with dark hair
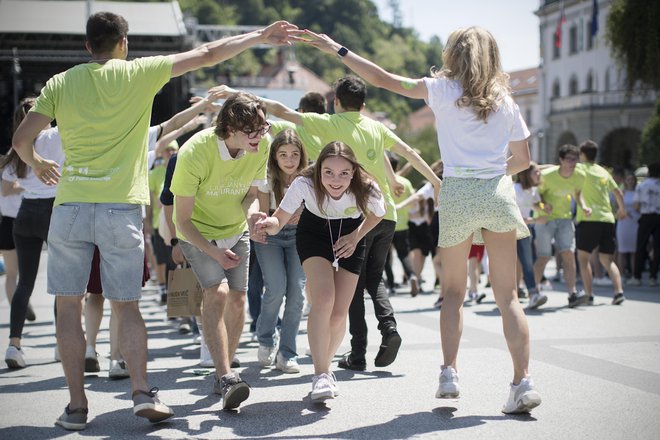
342, 204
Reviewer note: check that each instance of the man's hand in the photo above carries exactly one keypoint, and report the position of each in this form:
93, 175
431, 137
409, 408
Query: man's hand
279, 33
220, 92
257, 233
47, 171
177, 254
225, 257
587, 211
397, 188
621, 213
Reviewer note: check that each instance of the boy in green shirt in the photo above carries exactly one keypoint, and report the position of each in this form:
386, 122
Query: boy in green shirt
215, 186
369, 139
559, 186
595, 227
103, 109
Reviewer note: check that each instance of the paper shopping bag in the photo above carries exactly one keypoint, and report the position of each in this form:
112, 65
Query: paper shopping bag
184, 294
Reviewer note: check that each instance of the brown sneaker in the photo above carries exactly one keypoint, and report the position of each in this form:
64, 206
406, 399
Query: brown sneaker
146, 404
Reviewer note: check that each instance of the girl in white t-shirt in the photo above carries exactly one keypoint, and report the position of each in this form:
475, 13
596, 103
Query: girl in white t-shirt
482, 140
342, 203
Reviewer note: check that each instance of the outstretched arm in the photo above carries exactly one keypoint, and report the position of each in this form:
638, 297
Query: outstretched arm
418, 163
374, 74
275, 108
212, 53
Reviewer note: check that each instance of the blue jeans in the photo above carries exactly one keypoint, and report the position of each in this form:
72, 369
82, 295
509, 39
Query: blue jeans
283, 277
525, 256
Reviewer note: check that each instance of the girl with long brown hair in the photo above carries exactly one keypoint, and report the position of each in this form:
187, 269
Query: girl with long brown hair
342, 204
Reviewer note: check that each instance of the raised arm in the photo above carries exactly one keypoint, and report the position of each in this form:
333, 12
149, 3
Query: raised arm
23, 143
371, 72
275, 108
212, 53
418, 163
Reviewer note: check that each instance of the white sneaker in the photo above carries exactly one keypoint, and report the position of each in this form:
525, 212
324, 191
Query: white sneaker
306, 309
522, 397
289, 366
205, 359
266, 355
14, 357
322, 388
537, 300
448, 387
118, 369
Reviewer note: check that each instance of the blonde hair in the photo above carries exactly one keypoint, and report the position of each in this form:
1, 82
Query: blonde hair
472, 58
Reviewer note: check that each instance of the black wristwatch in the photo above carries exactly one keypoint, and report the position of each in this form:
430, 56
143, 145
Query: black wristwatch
174, 242
341, 53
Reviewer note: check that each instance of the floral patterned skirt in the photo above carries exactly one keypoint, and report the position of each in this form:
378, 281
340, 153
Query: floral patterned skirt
468, 205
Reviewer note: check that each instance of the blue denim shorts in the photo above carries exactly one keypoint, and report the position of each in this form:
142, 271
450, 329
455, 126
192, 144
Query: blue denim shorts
210, 273
562, 230
116, 228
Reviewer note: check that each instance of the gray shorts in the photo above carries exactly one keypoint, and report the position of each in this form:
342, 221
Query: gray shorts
562, 230
116, 228
210, 273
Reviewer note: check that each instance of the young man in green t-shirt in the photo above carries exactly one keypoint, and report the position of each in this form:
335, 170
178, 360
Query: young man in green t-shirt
369, 139
103, 109
595, 228
559, 186
215, 186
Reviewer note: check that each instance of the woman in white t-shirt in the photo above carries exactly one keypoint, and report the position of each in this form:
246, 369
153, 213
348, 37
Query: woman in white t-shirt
30, 226
10, 201
342, 203
482, 139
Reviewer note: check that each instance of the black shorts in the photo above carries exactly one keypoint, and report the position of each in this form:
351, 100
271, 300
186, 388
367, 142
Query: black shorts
421, 238
7, 234
592, 235
313, 240
162, 252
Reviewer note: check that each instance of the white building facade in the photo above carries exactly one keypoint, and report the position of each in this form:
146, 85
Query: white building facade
582, 89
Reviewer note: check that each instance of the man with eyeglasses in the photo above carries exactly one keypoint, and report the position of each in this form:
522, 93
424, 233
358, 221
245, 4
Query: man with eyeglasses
559, 186
215, 205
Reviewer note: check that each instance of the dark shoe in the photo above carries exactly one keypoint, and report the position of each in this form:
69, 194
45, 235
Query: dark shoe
75, 420
348, 362
618, 299
232, 389
438, 303
521, 293
235, 363
389, 348
146, 404
414, 286
577, 299
480, 298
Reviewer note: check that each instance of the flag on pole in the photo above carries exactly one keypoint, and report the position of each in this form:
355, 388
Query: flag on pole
562, 19
594, 18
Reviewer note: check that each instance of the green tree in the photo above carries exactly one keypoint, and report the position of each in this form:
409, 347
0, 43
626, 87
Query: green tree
650, 142
633, 32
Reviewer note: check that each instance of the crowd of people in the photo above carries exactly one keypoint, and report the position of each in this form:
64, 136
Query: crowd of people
272, 214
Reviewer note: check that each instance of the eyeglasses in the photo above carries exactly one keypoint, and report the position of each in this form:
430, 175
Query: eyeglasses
257, 133
570, 159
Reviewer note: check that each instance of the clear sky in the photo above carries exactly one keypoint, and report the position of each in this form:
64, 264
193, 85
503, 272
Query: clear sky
512, 22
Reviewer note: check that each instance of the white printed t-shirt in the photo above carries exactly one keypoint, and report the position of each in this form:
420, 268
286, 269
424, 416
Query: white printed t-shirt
302, 190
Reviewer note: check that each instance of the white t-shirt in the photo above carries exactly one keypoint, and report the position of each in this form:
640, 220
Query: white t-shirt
49, 146
151, 151
526, 198
470, 147
9, 205
302, 190
647, 194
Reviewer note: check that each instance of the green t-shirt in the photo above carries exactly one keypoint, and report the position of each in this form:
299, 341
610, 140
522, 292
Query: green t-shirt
219, 183
103, 114
156, 181
558, 191
311, 142
367, 138
596, 194
402, 214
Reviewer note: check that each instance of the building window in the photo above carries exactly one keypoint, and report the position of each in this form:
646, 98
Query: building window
607, 80
573, 86
572, 40
590, 38
590, 82
556, 89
